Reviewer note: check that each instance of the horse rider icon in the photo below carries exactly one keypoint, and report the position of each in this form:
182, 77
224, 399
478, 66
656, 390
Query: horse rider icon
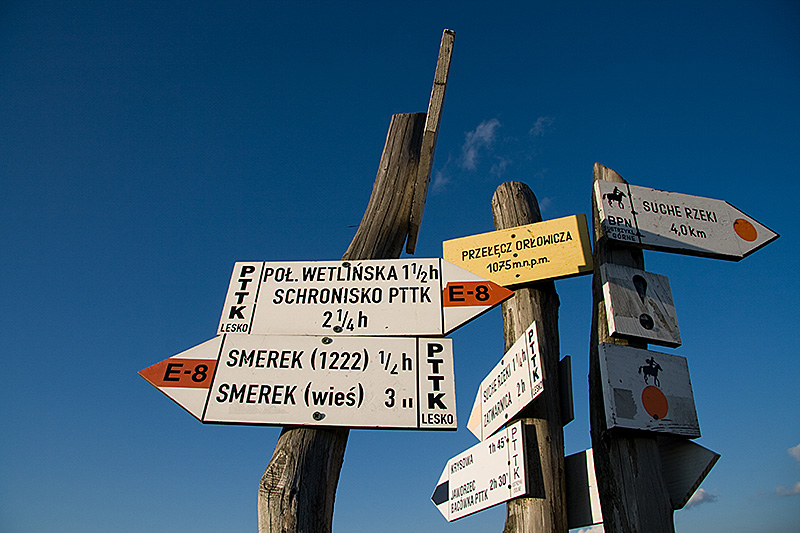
615, 196
652, 369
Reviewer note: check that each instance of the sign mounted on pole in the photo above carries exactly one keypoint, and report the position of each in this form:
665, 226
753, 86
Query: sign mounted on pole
647, 390
485, 475
510, 386
639, 304
368, 382
551, 249
426, 297
679, 223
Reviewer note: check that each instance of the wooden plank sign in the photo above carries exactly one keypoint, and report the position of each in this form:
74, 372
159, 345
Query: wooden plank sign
679, 223
511, 385
485, 475
396, 297
367, 382
639, 304
551, 249
647, 390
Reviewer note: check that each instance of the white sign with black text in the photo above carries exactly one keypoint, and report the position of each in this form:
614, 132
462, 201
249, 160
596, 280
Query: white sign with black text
359, 382
485, 475
678, 223
420, 297
510, 386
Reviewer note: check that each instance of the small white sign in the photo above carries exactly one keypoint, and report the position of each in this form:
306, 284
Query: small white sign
639, 304
647, 390
420, 297
510, 386
676, 222
485, 475
365, 382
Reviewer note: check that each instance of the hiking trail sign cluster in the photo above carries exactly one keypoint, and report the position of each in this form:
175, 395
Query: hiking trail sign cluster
641, 389
331, 343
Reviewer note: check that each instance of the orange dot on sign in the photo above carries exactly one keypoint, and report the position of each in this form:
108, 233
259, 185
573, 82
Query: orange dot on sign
745, 229
655, 403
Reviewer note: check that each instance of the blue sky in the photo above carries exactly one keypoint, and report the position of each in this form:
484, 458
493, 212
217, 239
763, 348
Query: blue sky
147, 146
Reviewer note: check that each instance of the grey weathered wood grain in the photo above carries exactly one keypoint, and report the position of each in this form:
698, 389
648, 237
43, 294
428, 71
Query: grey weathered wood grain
433, 119
633, 495
544, 509
297, 491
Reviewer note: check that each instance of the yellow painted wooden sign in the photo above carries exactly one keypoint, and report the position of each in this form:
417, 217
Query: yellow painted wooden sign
551, 249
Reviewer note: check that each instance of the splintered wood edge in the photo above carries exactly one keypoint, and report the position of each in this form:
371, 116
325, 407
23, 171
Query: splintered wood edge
429, 137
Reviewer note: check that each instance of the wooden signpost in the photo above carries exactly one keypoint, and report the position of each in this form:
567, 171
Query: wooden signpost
551, 249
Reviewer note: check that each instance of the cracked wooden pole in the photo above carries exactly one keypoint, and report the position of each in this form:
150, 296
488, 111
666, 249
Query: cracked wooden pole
297, 491
633, 495
544, 509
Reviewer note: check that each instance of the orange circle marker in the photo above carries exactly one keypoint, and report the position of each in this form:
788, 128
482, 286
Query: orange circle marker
655, 403
745, 229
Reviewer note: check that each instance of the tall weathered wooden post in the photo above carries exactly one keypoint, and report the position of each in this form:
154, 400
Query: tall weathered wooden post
544, 509
633, 495
298, 488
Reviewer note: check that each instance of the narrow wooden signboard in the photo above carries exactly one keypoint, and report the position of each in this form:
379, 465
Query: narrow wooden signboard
551, 249
647, 390
639, 304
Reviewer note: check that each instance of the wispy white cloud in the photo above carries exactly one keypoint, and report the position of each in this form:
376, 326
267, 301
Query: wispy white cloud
541, 126
499, 166
477, 140
782, 491
700, 497
440, 181
795, 452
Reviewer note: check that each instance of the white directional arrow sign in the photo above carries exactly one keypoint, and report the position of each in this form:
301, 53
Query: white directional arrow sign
677, 222
387, 382
485, 475
511, 385
427, 297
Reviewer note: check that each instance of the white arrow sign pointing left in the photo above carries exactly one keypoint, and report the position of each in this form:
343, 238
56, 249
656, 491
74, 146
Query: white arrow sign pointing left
368, 382
485, 475
510, 386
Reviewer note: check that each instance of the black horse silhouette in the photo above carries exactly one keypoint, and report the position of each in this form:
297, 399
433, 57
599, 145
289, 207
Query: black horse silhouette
615, 196
651, 369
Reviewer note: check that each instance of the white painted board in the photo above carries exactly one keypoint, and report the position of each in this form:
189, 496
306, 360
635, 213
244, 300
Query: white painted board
509, 387
647, 390
370, 382
419, 297
639, 304
483, 476
676, 222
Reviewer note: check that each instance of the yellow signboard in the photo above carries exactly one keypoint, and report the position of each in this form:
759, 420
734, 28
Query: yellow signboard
551, 249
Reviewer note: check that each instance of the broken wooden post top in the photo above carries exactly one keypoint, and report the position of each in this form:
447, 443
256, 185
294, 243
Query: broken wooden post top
432, 121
